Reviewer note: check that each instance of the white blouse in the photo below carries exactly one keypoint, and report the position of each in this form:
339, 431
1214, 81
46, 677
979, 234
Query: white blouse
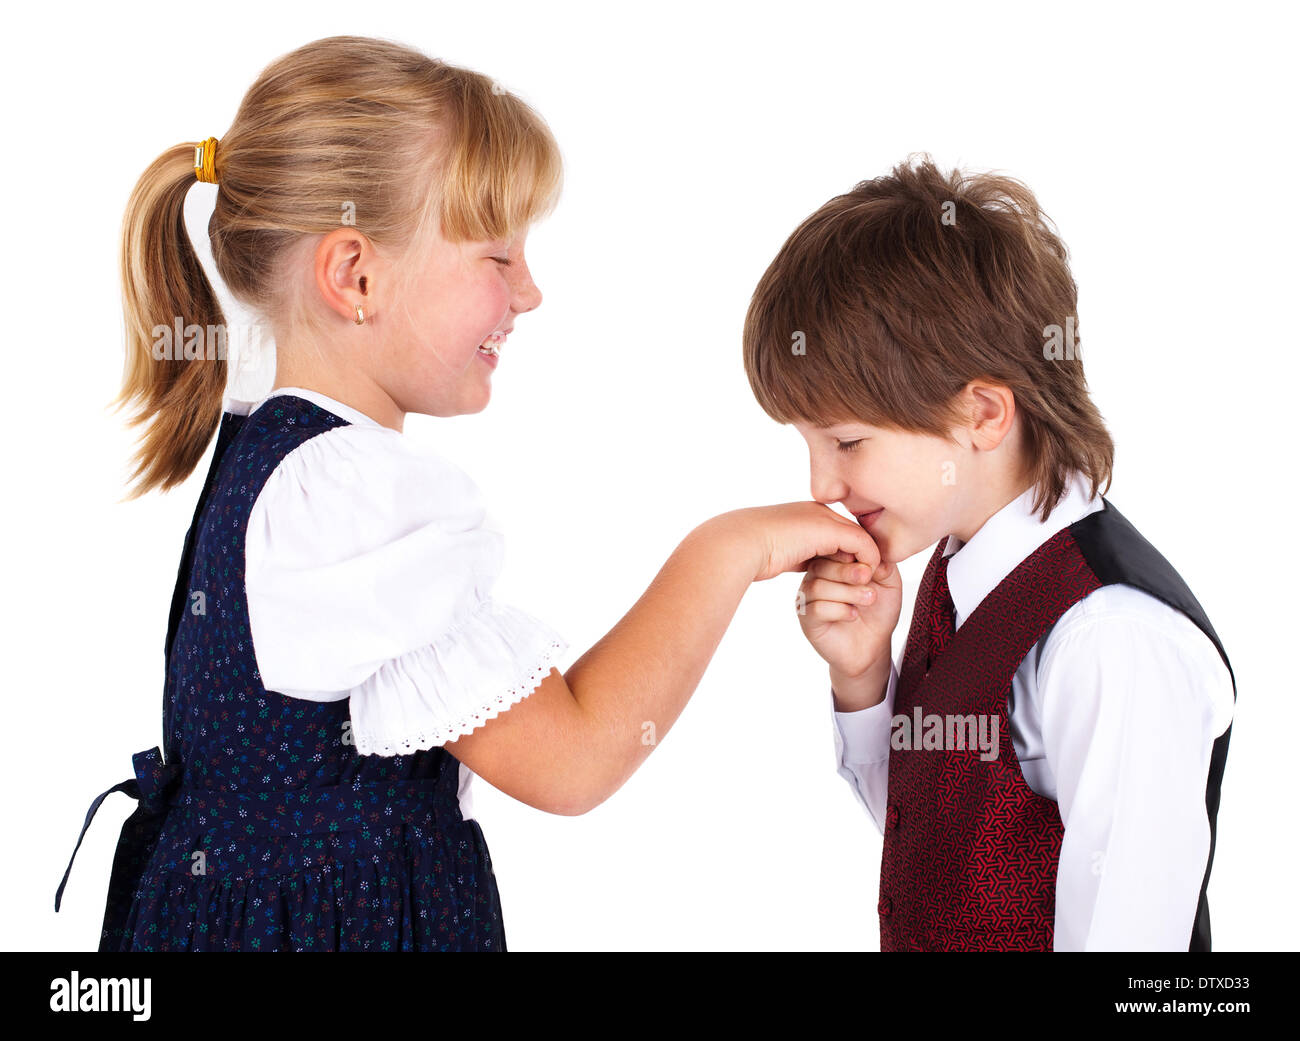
369, 566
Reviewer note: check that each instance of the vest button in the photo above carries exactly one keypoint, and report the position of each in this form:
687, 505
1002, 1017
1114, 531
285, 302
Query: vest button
885, 906
891, 816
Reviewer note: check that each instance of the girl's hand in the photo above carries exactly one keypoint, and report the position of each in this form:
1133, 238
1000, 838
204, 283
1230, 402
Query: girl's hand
848, 612
790, 536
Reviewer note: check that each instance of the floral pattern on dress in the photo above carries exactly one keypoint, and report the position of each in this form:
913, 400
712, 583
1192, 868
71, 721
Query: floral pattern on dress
262, 828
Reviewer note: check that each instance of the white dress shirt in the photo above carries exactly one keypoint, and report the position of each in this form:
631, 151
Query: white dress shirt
369, 565
1113, 714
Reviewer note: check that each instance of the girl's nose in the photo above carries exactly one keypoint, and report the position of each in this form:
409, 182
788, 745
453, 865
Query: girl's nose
527, 295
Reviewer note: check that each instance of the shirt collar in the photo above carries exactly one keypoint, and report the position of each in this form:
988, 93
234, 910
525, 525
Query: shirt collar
977, 567
244, 408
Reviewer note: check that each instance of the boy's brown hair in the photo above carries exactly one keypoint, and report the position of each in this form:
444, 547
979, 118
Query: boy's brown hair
908, 287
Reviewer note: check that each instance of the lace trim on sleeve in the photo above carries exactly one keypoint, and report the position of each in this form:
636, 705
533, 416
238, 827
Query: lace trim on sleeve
490, 660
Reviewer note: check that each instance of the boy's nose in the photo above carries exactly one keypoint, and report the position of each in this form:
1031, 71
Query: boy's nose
828, 489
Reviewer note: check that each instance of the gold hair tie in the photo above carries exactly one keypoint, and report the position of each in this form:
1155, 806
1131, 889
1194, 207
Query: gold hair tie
205, 161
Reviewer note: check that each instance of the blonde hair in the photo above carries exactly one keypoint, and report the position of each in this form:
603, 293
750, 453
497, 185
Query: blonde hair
409, 144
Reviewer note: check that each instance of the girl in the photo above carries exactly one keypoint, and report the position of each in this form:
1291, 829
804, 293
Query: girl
337, 668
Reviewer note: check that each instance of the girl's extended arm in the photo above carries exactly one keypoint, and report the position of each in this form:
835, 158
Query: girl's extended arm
578, 737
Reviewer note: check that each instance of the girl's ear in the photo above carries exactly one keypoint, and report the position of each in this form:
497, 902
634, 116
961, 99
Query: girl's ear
338, 257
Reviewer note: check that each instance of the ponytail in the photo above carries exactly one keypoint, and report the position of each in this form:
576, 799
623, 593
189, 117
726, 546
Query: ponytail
345, 130
175, 370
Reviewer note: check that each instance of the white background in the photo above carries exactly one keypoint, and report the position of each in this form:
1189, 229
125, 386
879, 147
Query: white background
696, 137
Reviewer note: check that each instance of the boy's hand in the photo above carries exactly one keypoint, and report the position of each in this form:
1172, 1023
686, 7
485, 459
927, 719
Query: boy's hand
849, 613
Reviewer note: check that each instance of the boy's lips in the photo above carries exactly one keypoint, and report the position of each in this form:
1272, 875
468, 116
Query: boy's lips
869, 518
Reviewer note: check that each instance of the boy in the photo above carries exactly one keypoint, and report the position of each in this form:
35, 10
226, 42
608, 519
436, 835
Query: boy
1045, 763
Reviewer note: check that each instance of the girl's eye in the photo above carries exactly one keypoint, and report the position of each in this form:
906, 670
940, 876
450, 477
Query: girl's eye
848, 446
503, 261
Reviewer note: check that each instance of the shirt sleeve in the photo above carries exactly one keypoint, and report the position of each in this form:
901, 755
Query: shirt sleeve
862, 749
369, 567
1133, 696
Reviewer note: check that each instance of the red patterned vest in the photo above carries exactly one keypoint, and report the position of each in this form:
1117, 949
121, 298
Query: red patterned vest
971, 851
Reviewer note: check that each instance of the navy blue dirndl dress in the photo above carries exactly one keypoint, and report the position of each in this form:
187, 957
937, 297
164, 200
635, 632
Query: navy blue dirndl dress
260, 827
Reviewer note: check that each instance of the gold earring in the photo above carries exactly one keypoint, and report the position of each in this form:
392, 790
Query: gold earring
361, 318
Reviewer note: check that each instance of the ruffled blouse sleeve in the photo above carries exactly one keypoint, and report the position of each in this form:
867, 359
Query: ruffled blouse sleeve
369, 567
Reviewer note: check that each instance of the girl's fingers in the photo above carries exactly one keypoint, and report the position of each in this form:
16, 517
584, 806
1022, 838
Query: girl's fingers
850, 533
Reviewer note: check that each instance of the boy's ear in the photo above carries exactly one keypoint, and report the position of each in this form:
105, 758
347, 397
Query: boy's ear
992, 411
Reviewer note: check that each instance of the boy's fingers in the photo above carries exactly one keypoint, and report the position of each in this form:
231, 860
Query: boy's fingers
838, 592
830, 611
852, 573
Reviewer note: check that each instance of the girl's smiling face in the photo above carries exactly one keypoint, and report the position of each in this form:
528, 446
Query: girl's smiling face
463, 293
